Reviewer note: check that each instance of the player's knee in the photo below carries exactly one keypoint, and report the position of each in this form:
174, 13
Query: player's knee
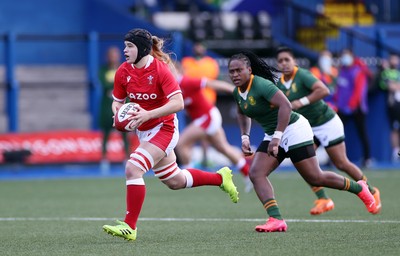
131, 171
341, 165
252, 176
175, 185
170, 174
256, 174
314, 180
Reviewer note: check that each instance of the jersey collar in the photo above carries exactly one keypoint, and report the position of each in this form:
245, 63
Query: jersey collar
249, 84
295, 69
149, 61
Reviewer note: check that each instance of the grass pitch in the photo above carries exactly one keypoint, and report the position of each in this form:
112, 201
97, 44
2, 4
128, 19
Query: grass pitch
65, 217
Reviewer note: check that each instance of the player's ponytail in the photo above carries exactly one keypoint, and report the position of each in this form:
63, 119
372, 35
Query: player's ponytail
158, 53
157, 50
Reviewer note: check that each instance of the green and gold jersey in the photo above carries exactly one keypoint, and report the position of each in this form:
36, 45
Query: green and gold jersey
255, 103
299, 86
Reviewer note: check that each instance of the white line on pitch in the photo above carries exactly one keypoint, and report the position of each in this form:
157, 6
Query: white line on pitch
193, 220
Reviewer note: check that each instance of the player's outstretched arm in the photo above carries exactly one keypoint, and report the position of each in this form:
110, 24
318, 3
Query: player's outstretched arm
220, 85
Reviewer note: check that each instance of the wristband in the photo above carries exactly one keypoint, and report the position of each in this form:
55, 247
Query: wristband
245, 136
304, 101
277, 135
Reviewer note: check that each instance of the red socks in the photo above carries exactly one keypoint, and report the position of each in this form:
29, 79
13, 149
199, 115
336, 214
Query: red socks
245, 170
201, 178
135, 195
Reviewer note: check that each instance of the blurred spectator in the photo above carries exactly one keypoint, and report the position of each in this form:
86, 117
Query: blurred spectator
106, 76
201, 65
365, 69
351, 98
144, 9
390, 82
216, 3
327, 73
175, 5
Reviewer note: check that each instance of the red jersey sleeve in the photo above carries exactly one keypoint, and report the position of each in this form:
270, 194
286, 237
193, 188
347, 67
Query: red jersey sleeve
190, 85
169, 84
120, 83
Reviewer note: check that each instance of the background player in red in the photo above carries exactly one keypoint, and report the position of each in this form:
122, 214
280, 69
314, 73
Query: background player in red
206, 123
145, 78
200, 65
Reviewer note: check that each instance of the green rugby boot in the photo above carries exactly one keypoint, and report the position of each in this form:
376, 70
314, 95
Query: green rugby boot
227, 184
122, 230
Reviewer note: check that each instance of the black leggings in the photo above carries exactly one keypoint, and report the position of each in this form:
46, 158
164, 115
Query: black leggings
296, 155
359, 120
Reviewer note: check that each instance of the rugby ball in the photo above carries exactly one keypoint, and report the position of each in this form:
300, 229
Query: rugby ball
121, 118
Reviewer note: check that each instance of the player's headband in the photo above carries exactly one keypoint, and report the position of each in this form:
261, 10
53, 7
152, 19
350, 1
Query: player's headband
143, 41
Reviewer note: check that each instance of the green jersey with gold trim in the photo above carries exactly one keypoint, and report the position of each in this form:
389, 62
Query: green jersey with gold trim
317, 113
255, 103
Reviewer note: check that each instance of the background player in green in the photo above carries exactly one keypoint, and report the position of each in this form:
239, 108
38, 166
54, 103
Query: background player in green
390, 82
287, 134
106, 76
306, 94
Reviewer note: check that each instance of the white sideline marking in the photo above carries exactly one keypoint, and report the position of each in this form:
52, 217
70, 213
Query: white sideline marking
195, 220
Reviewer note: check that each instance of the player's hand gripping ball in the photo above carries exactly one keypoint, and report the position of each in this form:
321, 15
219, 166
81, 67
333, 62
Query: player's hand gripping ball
121, 118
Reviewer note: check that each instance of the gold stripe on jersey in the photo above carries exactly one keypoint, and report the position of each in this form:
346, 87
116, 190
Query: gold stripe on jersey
249, 85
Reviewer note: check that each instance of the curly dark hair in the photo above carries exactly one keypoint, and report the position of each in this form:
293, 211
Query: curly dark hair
258, 66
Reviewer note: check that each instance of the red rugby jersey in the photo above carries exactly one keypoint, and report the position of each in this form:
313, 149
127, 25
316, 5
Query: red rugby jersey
196, 104
150, 87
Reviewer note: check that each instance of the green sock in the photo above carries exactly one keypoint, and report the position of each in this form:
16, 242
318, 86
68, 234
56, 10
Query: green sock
352, 186
272, 208
371, 188
319, 192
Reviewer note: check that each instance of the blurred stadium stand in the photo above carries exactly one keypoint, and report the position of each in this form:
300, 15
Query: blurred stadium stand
222, 32
56, 48
52, 98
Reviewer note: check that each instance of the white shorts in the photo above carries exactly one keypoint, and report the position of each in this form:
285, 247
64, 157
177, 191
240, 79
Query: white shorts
295, 135
330, 132
210, 122
165, 136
